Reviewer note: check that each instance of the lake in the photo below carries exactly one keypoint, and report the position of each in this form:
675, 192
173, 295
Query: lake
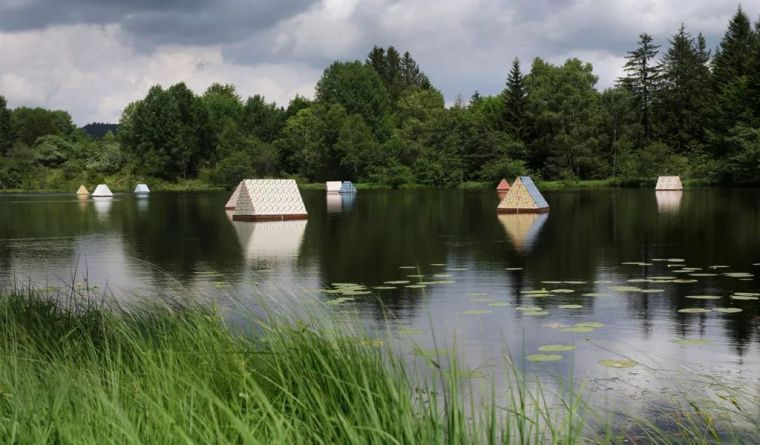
623, 261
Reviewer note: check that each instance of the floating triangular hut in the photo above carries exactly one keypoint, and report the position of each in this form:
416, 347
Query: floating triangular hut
233, 199
503, 186
269, 200
142, 189
102, 191
667, 183
333, 186
523, 197
82, 191
347, 187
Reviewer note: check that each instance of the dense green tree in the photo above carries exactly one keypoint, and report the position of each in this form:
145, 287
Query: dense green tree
31, 123
356, 148
642, 80
7, 131
515, 100
734, 55
619, 125
357, 87
263, 120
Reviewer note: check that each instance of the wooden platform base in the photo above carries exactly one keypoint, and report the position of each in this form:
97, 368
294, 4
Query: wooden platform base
668, 190
268, 217
543, 210
229, 208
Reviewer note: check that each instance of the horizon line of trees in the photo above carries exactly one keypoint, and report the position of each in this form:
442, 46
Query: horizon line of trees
677, 110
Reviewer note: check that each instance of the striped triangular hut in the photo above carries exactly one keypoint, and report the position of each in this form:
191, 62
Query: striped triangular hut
347, 187
665, 183
233, 199
503, 186
523, 197
269, 200
82, 191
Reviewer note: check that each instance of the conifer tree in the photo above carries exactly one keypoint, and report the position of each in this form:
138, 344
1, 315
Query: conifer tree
515, 97
642, 81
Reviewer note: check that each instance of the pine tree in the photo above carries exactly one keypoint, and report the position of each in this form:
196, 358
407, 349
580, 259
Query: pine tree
642, 81
515, 97
734, 55
376, 58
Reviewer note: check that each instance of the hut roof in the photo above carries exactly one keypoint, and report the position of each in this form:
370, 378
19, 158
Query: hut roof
669, 183
523, 196
503, 186
142, 188
269, 199
82, 190
333, 186
233, 199
102, 191
347, 187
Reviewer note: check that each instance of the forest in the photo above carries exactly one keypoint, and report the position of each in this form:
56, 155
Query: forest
681, 108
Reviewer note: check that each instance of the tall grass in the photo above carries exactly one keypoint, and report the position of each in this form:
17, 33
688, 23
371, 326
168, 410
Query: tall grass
78, 372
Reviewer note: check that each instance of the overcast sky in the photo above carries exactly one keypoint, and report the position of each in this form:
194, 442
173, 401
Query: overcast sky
92, 57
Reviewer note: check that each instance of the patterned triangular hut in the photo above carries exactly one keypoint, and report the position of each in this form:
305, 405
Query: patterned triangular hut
666, 183
503, 186
82, 191
523, 197
269, 200
333, 186
102, 191
233, 199
347, 187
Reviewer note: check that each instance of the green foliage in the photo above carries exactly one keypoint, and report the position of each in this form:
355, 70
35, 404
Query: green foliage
642, 80
7, 130
515, 101
31, 123
355, 86
646, 164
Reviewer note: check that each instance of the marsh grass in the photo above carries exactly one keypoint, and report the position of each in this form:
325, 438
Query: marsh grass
76, 371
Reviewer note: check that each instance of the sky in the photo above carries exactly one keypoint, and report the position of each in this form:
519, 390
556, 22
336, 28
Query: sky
93, 57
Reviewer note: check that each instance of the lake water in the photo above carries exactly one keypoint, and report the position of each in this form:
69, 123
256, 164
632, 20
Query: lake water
481, 268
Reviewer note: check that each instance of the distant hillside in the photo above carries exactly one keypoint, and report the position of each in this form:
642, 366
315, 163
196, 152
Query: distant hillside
99, 129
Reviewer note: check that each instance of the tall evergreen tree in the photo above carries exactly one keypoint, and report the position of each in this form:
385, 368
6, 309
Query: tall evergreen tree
734, 55
515, 97
376, 58
7, 133
642, 80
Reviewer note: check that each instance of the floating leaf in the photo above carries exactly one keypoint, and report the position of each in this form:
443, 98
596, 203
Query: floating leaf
535, 313
574, 282
514, 268
528, 308
340, 300
685, 281
500, 304
748, 294
398, 282
346, 285
738, 274
719, 266
555, 325
384, 287
662, 278
602, 282
703, 297
636, 263
457, 269
543, 357
652, 291
407, 267
638, 280
416, 276
415, 286
356, 292
556, 348
551, 282
744, 297
590, 324
477, 312
624, 363
693, 310
703, 274
535, 291
442, 275
570, 306
562, 291
625, 289
691, 341
437, 264
676, 260
727, 310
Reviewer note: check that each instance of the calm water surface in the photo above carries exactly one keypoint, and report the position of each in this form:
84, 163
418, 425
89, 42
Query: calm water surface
187, 246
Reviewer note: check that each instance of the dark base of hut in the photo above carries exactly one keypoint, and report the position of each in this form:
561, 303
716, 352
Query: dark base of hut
230, 208
513, 211
268, 217
668, 190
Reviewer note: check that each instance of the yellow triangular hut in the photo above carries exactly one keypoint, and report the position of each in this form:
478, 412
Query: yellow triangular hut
82, 191
523, 197
233, 199
666, 183
269, 200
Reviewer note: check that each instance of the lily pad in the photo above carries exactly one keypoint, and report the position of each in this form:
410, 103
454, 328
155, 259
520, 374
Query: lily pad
415, 286
693, 310
477, 312
407, 267
437, 264
528, 308
457, 269
514, 268
398, 282
535, 291
744, 297
356, 292
652, 291
676, 260
638, 280
574, 282
535, 313
570, 306
625, 289
613, 363
702, 274
442, 275
384, 287
500, 304
416, 276
551, 282
339, 300
543, 357
590, 324
727, 310
662, 278
719, 266
691, 341
556, 348
684, 281
562, 291
703, 297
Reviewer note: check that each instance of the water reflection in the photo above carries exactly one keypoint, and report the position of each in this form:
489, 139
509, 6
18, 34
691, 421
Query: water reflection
347, 201
668, 201
272, 241
102, 207
523, 228
334, 203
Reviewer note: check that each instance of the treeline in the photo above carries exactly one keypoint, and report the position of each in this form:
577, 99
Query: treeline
679, 109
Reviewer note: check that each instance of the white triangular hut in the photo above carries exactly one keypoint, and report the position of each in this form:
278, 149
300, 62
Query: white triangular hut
102, 191
333, 186
269, 200
523, 197
666, 183
82, 191
142, 189
523, 228
233, 199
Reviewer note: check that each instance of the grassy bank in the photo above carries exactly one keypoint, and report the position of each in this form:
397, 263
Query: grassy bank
83, 373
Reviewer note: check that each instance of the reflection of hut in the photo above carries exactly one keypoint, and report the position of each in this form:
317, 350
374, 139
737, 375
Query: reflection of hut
503, 186
523, 228
233, 199
142, 189
270, 240
668, 201
102, 191
269, 200
523, 197
347, 187
82, 191
669, 183
347, 200
333, 186
334, 202
102, 207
